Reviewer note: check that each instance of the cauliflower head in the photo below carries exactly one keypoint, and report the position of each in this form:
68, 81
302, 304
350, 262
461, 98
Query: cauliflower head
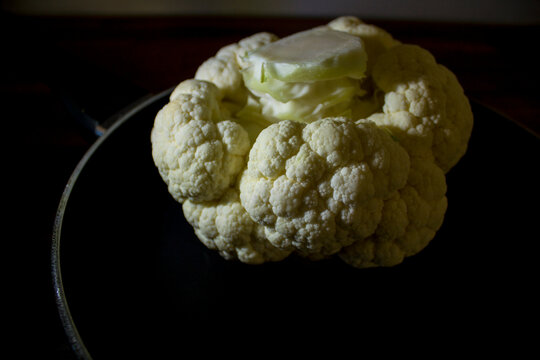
334, 141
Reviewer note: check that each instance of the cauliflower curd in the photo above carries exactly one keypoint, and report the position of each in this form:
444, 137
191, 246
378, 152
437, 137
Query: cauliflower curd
334, 141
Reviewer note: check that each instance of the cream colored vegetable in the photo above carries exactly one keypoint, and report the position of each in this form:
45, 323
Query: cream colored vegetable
331, 142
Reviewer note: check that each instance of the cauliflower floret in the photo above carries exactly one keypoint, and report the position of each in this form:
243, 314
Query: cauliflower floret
424, 105
318, 187
225, 226
410, 219
198, 154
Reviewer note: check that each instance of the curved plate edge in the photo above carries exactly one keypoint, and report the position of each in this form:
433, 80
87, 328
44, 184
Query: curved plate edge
70, 328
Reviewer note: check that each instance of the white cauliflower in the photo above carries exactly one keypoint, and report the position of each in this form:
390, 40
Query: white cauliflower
424, 105
225, 226
410, 219
331, 142
198, 154
321, 186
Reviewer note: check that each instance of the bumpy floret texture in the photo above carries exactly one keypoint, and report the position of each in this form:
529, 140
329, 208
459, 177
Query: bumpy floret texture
424, 105
225, 226
198, 154
318, 187
409, 220
352, 166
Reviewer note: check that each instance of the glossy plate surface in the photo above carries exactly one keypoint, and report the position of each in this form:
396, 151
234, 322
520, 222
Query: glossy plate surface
133, 280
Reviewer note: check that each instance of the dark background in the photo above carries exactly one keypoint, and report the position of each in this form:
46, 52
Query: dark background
103, 64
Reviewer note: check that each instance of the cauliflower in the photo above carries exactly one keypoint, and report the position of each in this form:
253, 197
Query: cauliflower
225, 226
319, 187
334, 141
198, 154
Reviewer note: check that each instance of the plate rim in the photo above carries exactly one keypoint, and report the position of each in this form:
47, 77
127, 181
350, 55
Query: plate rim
111, 125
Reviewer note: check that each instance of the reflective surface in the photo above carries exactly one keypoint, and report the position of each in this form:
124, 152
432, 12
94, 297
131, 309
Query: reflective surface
133, 280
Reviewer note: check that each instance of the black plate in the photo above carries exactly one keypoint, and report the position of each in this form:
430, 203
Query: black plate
132, 279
